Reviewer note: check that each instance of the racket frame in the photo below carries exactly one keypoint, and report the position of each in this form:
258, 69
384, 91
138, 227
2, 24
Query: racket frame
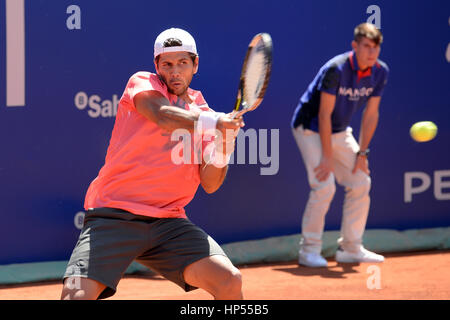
241, 106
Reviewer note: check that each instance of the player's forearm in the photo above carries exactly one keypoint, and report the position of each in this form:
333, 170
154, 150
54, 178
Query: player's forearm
327, 102
211, 177
156, 108
171, 118
325, 132
368, 126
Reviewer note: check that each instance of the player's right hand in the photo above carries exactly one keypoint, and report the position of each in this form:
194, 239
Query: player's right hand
227, 122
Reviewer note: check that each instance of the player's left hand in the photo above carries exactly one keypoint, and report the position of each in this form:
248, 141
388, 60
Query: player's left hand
362, 164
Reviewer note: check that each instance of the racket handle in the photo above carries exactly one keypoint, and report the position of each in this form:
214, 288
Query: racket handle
239, 114
237, 105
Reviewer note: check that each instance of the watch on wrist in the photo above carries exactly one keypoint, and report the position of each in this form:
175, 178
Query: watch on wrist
364, 153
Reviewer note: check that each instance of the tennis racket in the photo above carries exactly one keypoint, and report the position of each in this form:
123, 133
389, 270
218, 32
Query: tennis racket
255, 74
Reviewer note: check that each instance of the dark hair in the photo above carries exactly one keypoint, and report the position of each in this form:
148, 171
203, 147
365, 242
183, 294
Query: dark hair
173, 42
369, 31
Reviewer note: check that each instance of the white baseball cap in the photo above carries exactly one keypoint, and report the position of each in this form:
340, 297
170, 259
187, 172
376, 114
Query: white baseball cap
187, 41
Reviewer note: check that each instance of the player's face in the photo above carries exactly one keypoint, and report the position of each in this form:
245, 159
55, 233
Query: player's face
367, 52
177, 70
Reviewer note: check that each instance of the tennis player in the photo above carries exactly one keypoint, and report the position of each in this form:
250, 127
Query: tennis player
321, 127
135, 206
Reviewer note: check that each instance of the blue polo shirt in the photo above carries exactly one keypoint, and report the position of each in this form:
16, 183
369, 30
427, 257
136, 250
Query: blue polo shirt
352, 87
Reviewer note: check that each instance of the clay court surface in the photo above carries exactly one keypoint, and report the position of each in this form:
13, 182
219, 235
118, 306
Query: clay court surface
419, 275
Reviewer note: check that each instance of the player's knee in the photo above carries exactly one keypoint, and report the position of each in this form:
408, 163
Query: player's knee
364, 185
361, 188
234, 282
367, 183
324, 193
71, 294
231, 284
73, 289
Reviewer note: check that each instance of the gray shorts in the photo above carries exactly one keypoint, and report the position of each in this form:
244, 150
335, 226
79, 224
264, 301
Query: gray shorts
112, 238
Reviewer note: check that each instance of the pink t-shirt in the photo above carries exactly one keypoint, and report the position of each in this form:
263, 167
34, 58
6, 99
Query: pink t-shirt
139, 174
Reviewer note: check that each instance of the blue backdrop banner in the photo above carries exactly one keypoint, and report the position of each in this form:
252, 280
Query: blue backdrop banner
64, 65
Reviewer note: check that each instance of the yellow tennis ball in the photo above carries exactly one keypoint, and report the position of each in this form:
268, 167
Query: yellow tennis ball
423, 131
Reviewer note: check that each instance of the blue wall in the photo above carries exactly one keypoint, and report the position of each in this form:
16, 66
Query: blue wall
50, 150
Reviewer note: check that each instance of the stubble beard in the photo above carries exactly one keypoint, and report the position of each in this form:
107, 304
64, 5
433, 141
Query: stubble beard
170, 90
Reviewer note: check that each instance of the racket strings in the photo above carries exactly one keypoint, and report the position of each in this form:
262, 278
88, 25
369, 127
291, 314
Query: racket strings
255, 75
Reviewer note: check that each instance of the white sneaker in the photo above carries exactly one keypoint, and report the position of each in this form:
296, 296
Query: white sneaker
311, 259
363, 255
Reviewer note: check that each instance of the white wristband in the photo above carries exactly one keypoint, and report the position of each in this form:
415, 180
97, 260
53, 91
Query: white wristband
207, 122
